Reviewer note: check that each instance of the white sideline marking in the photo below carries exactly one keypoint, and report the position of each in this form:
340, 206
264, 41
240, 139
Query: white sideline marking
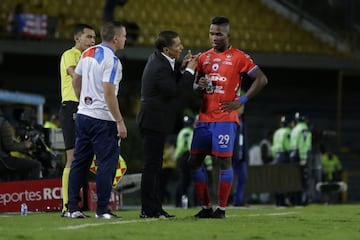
74, 227
271, 214
105, 222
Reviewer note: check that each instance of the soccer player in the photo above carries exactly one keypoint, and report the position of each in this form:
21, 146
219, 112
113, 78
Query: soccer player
219, 72
84, 37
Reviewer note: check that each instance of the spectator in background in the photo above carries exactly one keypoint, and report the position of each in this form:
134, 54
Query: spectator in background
281, 151
331, 166
53, 122
265, 148
168, 170
29, 25
84, 37
26, 168
17, 20
261, 154
300, 152
182, 154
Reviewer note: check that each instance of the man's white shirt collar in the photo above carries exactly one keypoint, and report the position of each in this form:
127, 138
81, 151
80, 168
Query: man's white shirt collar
171, 60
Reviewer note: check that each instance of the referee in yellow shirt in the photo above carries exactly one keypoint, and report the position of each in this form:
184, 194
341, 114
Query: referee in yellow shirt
84, 37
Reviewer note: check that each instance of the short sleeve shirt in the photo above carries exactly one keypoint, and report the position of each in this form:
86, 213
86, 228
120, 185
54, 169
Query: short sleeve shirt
224, 71
98, 64
69, 58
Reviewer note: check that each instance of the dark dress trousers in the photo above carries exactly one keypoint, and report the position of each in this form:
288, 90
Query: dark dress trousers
161, 90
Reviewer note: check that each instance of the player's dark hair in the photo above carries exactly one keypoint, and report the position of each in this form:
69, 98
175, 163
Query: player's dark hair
79, 28
165, 39
110, 29
219, 20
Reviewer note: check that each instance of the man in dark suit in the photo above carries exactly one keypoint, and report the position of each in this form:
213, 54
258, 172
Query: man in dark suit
162, 85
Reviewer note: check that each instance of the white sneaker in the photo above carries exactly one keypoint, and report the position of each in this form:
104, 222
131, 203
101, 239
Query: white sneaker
107, 215
65, 213
76, 214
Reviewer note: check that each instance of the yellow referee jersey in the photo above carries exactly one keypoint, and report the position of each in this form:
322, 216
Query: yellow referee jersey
69, 58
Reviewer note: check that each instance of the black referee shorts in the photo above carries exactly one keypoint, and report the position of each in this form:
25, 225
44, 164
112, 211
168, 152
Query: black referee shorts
67, 116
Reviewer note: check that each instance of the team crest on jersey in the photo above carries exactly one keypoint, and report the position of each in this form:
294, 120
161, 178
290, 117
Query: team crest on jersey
215, 67
88, 100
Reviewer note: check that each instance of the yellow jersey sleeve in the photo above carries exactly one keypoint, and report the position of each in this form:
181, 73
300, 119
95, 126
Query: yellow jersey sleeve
69, 58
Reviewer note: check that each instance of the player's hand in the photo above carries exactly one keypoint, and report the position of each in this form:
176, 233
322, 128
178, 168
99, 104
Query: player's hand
202, 83
230, 106
122, 130
186, 59
193, 61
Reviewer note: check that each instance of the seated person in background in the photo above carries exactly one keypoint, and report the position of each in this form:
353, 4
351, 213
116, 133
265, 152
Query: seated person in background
16, 20
331, 167
23, 24
25, 168
53, 122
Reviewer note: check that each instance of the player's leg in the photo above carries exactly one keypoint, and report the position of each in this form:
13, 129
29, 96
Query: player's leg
200, 147
107, 158
223, 139
65, 179
67, 120
83, 154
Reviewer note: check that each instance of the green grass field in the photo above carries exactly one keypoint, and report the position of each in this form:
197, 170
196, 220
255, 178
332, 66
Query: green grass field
256, 222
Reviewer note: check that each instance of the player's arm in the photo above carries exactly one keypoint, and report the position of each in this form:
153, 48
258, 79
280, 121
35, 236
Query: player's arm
113, 105
76, 82
71, 71
200, 83
259, 82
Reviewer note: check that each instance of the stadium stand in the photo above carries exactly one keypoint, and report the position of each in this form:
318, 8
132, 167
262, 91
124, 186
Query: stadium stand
283, 47
256, 27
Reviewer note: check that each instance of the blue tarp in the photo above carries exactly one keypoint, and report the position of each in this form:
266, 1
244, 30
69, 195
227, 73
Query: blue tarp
19, 97
24, 98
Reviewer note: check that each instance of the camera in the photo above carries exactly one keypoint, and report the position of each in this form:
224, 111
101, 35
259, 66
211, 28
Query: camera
27, 129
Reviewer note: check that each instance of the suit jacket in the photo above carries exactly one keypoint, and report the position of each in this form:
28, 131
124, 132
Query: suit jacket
161, 88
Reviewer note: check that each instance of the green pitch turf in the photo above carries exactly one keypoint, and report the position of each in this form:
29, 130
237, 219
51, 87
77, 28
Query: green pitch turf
255, 222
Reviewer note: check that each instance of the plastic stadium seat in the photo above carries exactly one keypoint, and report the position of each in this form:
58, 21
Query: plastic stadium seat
255, 27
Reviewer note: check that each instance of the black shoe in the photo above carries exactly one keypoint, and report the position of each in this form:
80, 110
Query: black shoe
218, 213
146, 215
205, 213
164, 214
